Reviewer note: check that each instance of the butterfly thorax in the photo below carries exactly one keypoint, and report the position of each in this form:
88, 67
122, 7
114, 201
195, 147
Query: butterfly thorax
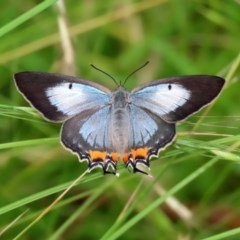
120, 98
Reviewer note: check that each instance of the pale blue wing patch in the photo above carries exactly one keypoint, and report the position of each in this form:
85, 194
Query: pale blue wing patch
148, 130
174, 99
88, 130
58, 97
72, 98
95, 130
161, 99
143, 126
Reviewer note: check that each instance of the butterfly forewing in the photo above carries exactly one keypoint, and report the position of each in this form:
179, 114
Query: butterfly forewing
59, 97
174, 99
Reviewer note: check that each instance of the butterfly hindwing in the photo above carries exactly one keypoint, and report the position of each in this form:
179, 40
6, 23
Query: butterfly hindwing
149, 135
59, 97
174, 99
93, 131
88, 130
148, 130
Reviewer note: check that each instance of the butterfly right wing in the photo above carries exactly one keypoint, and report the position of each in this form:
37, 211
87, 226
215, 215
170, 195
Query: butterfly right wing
59, 97
166, 102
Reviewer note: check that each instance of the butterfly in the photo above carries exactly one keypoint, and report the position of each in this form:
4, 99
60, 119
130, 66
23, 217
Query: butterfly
103, 127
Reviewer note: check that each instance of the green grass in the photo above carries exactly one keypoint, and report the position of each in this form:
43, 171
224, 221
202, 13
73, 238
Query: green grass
199, 172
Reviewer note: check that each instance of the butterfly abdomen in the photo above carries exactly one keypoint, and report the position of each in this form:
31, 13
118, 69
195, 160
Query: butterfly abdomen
120, 126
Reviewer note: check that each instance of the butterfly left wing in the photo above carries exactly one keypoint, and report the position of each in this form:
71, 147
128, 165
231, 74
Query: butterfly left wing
59, 97
174, 99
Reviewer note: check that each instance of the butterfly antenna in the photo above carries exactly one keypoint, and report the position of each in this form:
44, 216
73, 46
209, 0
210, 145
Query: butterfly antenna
100, 70
146, 63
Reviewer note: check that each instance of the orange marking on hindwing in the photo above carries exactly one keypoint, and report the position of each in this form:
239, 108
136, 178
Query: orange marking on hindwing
97, 155
115, 156
126, 157
140, 152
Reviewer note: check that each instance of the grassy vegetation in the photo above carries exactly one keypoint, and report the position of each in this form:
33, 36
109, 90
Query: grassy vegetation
194, 192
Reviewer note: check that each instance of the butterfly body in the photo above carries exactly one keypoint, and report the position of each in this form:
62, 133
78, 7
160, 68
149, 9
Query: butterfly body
119, 124
103, 127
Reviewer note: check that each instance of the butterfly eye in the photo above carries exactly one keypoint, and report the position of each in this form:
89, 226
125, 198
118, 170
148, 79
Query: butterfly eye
169, 86
70, 86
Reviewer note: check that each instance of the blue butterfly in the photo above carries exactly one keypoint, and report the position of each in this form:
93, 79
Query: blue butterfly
103, 127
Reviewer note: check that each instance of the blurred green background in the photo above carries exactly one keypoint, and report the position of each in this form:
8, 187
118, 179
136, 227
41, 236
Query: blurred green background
178, 37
